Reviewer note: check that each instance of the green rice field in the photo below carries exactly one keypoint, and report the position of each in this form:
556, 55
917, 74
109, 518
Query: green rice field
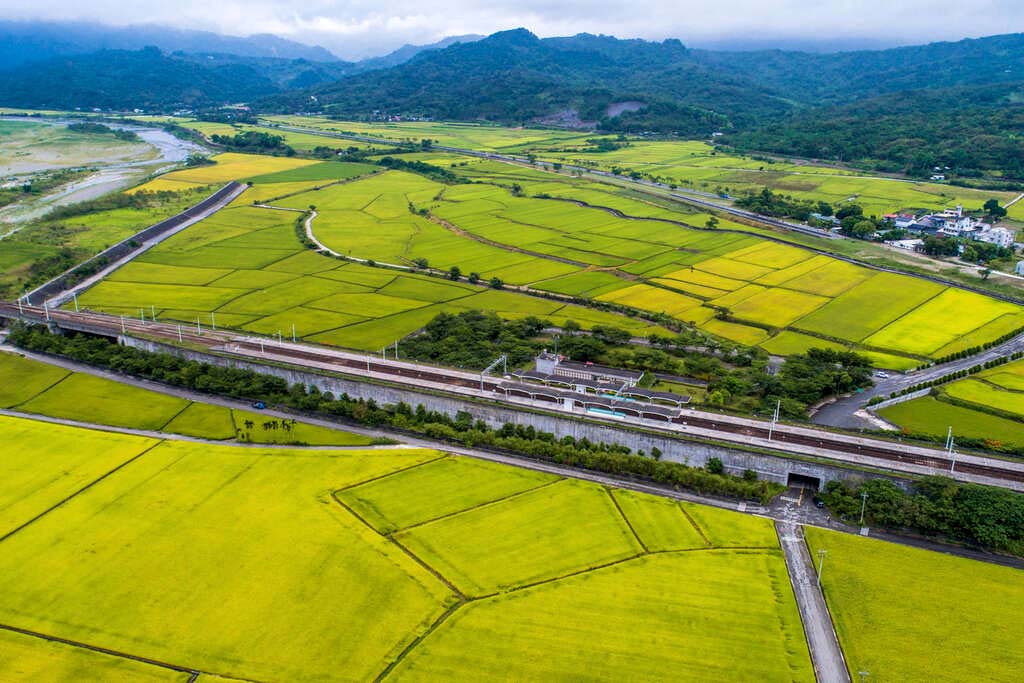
988, 405
365, 584
928, 415
529, 229
907, 615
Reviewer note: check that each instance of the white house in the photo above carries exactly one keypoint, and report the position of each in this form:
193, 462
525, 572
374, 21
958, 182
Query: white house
1001, 237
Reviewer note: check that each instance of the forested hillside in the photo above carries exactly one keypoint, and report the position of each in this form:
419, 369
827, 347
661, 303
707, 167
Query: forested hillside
970, 129
119, 79
513, 76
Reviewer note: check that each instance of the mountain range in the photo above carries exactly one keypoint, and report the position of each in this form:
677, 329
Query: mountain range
901, 108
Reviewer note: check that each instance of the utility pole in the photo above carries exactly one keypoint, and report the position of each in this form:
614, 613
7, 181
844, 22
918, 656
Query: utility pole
396, 349
21, 309
179, 334
152, 310
950, 452
213, 321
199, 326
122, 325
775, 418
863, 675
142, 315
279, 342
863, 505
74, 294
821, 564
293, 333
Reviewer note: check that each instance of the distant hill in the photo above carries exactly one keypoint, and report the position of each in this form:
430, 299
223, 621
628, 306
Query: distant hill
846, 76
29, 41
407, 52
121, 79
514, 76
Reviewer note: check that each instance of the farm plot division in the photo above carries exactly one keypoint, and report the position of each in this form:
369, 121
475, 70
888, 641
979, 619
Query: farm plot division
327, 530
987, 406
734, 286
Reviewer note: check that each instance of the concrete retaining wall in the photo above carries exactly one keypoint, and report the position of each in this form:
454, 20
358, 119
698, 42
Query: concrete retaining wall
900, 399
495, 414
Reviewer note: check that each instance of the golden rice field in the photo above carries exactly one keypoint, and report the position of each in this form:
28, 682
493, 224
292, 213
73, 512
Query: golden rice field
38, 388
555, 234
388, 564
910, 615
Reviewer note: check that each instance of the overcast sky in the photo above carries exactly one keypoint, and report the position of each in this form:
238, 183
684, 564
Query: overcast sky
358, 28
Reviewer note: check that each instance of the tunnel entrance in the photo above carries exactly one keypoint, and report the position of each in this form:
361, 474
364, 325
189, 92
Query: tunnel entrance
803, 480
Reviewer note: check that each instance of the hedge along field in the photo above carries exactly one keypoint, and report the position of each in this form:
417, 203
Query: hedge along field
988, 405
927, 415
42, 389
906, 614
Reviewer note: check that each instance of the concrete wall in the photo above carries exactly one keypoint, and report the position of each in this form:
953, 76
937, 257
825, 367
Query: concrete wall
673, 447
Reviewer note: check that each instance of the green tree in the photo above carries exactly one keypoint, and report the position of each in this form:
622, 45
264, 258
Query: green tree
994, 209
454, 273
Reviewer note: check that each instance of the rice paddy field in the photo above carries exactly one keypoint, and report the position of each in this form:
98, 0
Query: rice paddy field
174, 545
988, 405
904, 614
245, 268
33, 387
702, 166
689, 163
464, 135
570, 237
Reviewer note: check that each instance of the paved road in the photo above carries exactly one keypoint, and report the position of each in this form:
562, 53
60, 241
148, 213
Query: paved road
827, 656
841, 413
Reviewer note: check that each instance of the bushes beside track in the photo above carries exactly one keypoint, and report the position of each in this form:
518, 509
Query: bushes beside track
463, 429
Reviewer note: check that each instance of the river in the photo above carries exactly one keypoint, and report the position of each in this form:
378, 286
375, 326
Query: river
169, 152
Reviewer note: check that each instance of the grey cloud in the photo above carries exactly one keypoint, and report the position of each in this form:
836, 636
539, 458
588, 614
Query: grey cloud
357, 28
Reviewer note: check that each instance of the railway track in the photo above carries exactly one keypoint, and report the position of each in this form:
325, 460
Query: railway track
726, 427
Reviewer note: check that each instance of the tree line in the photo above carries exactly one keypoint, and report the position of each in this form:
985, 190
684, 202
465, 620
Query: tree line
462, 429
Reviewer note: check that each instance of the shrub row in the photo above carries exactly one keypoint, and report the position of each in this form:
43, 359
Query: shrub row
959, 374
975, 349
525, 440
938, 507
